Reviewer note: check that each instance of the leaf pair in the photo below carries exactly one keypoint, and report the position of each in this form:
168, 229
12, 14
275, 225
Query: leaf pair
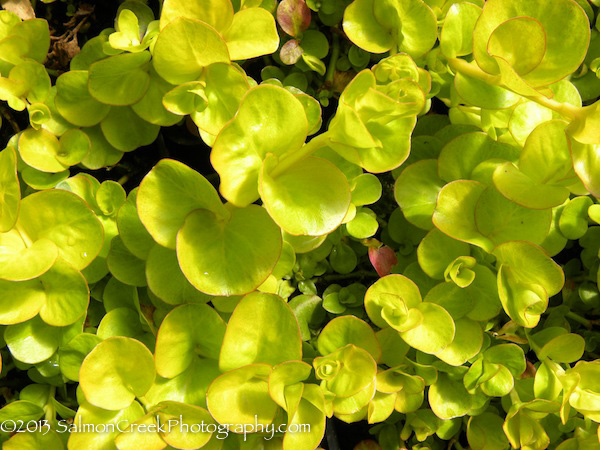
375, 119
502, 27
259, 152
378, 26
395, 301
222, 250
193, 37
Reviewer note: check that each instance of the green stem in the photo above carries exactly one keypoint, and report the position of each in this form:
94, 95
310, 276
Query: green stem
306, 150
577, 318
473, 71
394, 48
28, 242
335, 54
50, 414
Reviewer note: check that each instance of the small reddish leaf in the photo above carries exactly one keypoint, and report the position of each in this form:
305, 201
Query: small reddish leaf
383, 259
293, 16
290, 52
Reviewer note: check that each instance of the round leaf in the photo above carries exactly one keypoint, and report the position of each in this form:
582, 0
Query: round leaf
310, 198
115, 372
186, 332
262, 329
184, 47
121, 79
249, 239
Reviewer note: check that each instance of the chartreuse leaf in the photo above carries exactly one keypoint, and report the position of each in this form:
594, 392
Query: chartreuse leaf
64, 219
449, 398
573, 221
456, 37
21, 410
35, 440
95, 417
33, 341
74, 102
345, 330
252, 33
21, 262
127, 36
366, 189
503, 24
484, 432
262, 329
310, 198
131, 230
311, 410
20, 300
270, 120
166, 280
437, 250
190, 386
186, 98
22, 40
137, 134
558, 344
406, 25
142, 433
27, 82
521, 189
42, 180
416, 191
478, 301
459, 157
115, 372
285, 384
583, 396
72, 354
225, 86
120, 321
167, 194
502, 220
484, 95
389, 290
125, 266
544, 169
434, 333
40, 150
527, 276
454, 212
381, 142
67, 294
249, 238
227, 396
188, 418
460, 271
346, 372
121, 79
586, 162
101, 153
10, 190
395, 301
523, 427
151, 107
217, 13
363, 225
467, 342
184, 47
186, 332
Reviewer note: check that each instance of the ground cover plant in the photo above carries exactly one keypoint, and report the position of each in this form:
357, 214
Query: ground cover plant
371, 223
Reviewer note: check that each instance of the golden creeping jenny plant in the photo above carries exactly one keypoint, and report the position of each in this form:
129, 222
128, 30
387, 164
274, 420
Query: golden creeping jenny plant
399, 224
